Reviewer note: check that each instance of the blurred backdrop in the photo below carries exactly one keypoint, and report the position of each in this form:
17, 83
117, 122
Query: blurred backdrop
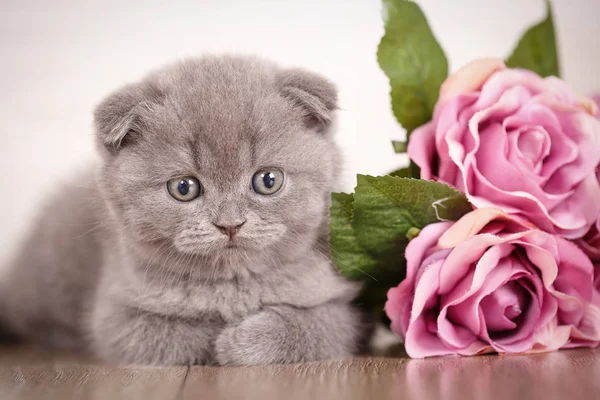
59, 58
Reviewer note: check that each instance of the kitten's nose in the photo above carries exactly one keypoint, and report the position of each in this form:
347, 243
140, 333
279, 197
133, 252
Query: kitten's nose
229, 230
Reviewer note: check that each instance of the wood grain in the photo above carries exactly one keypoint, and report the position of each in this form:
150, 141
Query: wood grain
84, 382
27, 373
569, 374
574, 374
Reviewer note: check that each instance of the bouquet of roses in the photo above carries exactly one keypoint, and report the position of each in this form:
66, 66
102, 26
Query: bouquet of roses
489, 241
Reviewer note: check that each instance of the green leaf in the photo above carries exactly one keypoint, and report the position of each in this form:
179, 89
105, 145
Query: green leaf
369, 231
350, 258
377, 273
399, 147
413, 61
412, 171
373, 295
402, 173
415, 170
387, 208
536, 49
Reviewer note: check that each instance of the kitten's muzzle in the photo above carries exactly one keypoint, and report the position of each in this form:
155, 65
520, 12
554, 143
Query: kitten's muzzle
229, 230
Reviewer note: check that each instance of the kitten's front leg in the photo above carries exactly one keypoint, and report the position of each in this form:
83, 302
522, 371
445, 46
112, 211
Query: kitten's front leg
283, 335
124, 334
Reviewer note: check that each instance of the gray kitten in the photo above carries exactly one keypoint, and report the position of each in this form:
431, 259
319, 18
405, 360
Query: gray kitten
199, 238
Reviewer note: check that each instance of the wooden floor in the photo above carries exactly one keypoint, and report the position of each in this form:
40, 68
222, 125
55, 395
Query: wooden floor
575, 374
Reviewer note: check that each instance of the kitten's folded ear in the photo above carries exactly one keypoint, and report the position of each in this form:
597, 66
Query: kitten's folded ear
119, 117
313, 94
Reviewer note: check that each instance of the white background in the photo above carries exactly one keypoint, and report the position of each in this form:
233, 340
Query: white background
59, 58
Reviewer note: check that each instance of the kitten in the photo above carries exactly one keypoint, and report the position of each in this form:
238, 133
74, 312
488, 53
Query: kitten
199, 238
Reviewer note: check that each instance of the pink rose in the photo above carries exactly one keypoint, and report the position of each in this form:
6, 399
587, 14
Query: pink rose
590, 243
595, 99
510, 139
492, 283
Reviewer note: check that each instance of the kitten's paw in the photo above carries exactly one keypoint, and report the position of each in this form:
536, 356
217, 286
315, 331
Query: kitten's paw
259, 339
127, 335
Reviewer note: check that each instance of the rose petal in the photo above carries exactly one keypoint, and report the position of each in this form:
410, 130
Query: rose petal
419, 341
551, 337
587, 333
470, 77
502, 306
416, 251
462, 302
421, 149
459, 260
588, 105
474, 222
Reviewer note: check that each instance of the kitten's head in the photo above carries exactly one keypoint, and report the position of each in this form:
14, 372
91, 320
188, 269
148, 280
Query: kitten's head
219, 166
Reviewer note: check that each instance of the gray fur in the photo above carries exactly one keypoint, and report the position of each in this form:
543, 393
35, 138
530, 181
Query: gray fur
116, 267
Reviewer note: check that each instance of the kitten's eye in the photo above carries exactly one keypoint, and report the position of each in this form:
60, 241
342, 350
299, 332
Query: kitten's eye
267, 181
184, 189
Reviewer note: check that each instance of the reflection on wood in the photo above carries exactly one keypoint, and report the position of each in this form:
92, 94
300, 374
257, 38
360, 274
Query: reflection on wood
29, 374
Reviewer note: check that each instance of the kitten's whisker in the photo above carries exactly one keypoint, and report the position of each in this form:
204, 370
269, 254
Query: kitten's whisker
94, 228
294, 235
345, 264
163, 264
186, 270
153, 258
